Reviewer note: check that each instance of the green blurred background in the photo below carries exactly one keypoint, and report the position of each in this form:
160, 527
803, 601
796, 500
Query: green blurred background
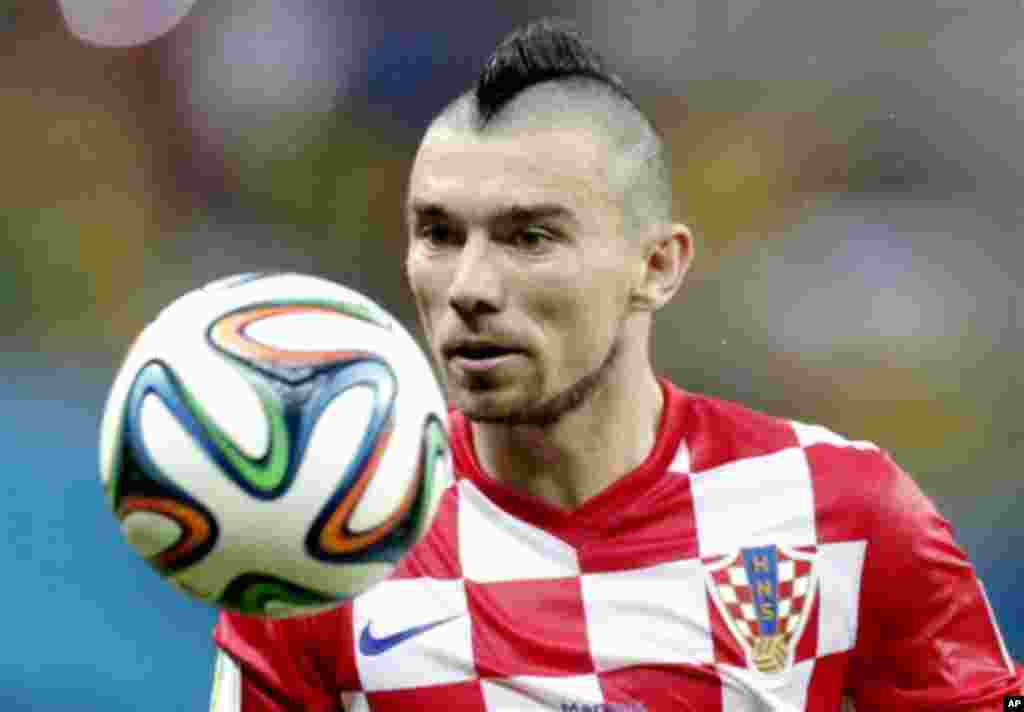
852, 172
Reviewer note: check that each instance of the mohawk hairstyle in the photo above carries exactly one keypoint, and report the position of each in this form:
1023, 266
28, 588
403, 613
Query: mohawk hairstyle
541, 51
577, 92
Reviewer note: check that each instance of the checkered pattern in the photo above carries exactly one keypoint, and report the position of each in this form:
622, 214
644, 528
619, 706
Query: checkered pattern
612, 604
737, 594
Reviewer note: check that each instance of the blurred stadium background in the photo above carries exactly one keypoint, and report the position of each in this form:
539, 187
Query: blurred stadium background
853, 172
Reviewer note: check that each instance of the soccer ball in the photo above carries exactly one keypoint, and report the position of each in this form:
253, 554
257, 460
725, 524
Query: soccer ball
274, 444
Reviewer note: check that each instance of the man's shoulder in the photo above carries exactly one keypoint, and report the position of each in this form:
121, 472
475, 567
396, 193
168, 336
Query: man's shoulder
719, 431
853, 485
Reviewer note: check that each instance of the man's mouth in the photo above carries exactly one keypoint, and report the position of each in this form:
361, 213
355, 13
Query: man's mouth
478, 349
480, 357
482, 352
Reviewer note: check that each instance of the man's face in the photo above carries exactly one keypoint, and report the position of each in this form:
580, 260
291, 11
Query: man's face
516, 242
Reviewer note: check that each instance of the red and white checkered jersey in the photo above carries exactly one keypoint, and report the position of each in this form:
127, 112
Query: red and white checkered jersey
750, 563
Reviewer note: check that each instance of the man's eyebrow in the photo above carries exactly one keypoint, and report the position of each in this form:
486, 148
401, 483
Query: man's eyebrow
428, 210
517, 212
534, 212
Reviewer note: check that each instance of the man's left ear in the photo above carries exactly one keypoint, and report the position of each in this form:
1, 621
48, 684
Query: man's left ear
666, 262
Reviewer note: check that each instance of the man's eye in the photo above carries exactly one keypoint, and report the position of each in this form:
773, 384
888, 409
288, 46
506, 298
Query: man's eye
436, 235
533, 238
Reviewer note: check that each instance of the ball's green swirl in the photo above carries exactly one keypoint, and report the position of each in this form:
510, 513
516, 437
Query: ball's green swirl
266, 473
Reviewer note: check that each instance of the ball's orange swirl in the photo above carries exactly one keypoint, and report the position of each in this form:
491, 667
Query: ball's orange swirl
333, 536
195, 528
229, 334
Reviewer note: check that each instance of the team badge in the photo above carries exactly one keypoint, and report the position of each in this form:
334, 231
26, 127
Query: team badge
764, 594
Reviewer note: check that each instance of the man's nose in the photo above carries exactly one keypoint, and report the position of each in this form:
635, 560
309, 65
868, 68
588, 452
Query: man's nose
477, 285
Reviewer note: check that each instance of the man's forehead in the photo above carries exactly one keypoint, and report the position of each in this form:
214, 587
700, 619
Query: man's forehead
540, 166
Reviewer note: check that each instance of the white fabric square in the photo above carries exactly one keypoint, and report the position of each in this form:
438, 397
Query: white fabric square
496, 547
800, 586
758, 501
413, 633
840, 567
787, 570
745, 690
808, 435
728, 594
227, 685
748, 612
737, 576
681, 460
515, 694
657, 614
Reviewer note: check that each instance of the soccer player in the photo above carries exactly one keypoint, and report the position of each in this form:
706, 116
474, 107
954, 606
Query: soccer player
612, 542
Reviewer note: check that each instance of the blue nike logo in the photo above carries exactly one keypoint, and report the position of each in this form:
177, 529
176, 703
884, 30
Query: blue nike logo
370, 645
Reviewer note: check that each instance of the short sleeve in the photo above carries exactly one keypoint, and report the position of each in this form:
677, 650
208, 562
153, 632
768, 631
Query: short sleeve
928, 638
285, 664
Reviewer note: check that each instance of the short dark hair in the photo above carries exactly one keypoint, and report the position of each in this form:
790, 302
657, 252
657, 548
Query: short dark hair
547, 72
542, 51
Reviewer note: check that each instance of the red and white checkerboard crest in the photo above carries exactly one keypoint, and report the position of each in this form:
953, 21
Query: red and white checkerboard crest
764, 594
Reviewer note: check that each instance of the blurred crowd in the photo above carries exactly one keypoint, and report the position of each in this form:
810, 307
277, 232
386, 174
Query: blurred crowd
852, 172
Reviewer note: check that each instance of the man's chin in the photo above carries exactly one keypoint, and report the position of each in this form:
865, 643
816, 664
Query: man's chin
479, 406
512, 412
490, 405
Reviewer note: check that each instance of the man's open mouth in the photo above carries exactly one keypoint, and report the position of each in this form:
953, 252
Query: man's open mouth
483, 352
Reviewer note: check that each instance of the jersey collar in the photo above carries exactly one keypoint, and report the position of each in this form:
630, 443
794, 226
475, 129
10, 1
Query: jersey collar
599, 513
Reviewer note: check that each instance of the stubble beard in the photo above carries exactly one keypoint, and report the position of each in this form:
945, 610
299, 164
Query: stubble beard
551, 411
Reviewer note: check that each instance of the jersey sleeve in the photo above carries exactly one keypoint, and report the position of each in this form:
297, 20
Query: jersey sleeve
282, 665
927, 637
233, 692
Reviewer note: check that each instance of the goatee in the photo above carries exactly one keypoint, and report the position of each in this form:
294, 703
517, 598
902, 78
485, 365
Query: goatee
557, 407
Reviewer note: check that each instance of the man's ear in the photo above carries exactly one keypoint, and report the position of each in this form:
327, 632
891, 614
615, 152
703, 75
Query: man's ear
666, 261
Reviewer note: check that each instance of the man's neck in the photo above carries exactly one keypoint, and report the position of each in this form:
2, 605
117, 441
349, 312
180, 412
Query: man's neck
586, 451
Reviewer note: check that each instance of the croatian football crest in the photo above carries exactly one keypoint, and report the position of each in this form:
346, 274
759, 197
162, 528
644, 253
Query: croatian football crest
764, 594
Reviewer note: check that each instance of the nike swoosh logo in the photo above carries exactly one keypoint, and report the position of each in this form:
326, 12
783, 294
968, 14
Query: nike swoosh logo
370, 645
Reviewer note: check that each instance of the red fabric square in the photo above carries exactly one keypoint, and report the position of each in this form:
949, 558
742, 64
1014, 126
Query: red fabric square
534, 627
654, 527
718, 432
846, 488
825, 691
436, 555
462, 696
680, 688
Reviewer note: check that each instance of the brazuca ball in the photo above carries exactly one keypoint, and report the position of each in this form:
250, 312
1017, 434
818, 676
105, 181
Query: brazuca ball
274, 444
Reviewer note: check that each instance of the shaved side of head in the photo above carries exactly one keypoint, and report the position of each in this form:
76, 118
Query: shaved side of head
546, 77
